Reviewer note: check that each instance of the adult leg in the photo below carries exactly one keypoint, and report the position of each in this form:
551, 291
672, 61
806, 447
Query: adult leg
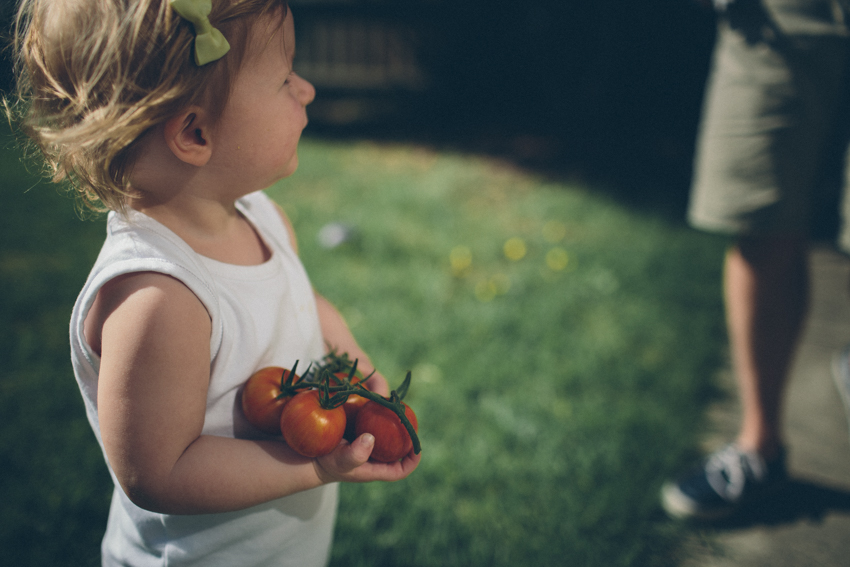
766, 288
769, 110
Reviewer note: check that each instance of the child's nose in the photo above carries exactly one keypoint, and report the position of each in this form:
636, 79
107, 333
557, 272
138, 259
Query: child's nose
307, 91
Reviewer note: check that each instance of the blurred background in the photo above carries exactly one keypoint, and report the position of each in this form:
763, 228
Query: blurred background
510, 179
606, 90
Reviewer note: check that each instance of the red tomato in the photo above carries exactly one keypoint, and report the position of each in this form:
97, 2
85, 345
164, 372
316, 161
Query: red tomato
392, 441
351, 406
261, 398
310, 429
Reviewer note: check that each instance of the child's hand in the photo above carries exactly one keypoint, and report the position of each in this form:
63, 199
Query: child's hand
349, 462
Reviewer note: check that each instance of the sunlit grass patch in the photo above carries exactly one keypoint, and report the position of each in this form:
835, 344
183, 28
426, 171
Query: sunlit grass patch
563, 343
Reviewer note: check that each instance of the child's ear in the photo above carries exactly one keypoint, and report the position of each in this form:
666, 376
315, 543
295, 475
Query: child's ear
187, 136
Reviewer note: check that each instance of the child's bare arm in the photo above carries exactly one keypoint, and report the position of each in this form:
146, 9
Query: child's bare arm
151, 402
336, 332
337, 335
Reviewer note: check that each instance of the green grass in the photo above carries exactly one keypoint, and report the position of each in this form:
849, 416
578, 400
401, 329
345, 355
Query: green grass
551, 403
552, 398
54, 484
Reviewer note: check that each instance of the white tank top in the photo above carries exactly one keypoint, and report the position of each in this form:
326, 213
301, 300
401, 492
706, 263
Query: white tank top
262, 315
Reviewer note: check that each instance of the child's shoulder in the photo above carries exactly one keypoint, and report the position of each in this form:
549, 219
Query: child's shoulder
142, 298
136, 244
136, 239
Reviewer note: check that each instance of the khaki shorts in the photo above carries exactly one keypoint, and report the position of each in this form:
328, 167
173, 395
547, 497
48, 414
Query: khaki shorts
771, 112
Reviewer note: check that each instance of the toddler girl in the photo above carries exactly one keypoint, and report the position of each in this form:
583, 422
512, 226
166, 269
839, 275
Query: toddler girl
174, 116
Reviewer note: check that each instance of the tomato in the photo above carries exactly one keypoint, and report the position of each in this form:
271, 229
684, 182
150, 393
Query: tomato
392, 441
310, 429
351, 406
262, 401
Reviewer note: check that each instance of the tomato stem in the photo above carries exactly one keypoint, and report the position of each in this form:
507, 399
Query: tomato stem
402, 390
288, 387
325, 399
334, 396
287, 377
335, 363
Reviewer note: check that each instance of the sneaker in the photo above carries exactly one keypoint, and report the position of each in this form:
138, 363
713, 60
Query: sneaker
841, 376
728, 480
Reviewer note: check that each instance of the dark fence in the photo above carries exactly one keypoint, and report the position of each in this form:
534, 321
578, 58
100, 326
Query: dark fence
367, 59
609, 89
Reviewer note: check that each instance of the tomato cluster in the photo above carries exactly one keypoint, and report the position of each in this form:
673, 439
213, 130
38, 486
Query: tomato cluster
314, 413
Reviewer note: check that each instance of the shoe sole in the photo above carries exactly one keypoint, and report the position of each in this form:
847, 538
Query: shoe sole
681, 507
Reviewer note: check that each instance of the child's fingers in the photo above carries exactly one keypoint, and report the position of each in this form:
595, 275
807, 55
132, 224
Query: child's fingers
400, 469
409, 463
359, 450
388, 472
350, 463
345, 458
350, 456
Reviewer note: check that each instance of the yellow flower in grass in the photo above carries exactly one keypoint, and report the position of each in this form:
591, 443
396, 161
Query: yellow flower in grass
501, 283
487, 290
515, 249
461, 260
557, 259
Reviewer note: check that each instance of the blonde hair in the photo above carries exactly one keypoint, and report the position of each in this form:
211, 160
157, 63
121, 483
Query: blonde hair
95, 75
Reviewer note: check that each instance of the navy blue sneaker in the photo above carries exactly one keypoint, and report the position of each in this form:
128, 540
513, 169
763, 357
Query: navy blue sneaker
841, 375
727, 481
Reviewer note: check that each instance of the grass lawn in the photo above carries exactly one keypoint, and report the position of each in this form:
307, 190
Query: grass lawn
562, 350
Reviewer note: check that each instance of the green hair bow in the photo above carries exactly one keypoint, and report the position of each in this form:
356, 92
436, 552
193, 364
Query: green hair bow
210, 44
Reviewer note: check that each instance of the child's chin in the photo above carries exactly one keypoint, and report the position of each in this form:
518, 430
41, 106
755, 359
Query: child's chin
290, 168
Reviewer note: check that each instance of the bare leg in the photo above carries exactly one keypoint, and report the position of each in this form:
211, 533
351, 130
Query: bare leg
766, 287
